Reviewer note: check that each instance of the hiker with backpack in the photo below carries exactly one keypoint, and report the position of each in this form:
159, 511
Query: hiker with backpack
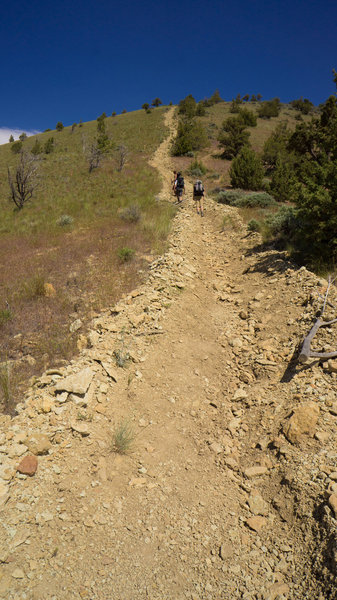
179, 187
198, 196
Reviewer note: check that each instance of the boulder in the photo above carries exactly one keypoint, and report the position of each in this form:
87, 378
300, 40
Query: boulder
77, 383
303, 422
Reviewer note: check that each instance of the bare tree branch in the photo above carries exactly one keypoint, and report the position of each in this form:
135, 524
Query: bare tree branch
24, 183
306, 352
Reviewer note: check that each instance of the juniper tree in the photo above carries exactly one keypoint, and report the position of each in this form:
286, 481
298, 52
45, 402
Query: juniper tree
233, 136
246, 171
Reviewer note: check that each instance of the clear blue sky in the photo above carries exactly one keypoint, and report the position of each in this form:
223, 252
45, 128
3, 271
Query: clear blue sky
70, 59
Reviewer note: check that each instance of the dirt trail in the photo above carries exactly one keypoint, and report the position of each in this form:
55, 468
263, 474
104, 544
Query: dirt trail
204, 507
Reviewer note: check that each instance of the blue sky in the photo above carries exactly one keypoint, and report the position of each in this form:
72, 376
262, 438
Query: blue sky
67, 61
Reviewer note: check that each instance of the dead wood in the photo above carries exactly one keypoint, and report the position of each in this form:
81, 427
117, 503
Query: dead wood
306, 352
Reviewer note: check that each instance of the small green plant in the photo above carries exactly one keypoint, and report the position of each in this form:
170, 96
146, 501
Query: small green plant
34, 288
64, 220
5, 315
197, 168
123, 438
253, 225
126, 254
6, 385
131, 213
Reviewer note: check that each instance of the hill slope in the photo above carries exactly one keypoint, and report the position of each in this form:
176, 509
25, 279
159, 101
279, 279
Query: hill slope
213, 502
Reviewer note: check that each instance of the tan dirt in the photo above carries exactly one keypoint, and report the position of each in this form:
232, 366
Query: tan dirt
212, 502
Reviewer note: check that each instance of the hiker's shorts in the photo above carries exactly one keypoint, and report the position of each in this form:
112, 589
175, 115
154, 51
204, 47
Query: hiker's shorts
197, 196
179, 192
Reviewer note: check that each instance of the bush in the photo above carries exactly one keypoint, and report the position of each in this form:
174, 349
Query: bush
304, 106
275, 146
59, 126
246, 171
284, 221
188, 107
233, 137
191, 136
241, 199
270, 108
247, 117
200, 110
253, 225
49, 146
16, 147
283, 181
37, 148
131, 213
197, 168
64, 220
5, 315
125, 254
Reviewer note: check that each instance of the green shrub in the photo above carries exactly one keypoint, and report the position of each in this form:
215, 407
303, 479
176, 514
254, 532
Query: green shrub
16, 147
242, 199
283, 180
253, 225
284, 221
123, 438
233, 136
131, 213
304, 106
49, 146
5, 315
270, 108
255, 200
65, 220
188, 107
37, 148
247, 117
59, 126
191, 136
197, 168
275, 146
126, 254
246, 171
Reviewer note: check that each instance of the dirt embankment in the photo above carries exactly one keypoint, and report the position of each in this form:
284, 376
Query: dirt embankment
225, 494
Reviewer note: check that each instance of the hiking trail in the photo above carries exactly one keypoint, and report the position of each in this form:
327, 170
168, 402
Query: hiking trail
213, 502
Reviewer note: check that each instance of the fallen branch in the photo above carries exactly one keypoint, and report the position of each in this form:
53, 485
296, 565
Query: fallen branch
306, 352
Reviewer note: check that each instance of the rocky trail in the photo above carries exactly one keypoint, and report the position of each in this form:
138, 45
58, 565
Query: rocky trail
230, 490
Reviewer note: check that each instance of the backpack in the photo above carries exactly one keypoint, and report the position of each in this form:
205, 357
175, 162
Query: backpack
198, 188
180, 183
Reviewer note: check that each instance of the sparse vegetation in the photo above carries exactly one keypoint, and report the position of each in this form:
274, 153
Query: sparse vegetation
123, 438
126, 254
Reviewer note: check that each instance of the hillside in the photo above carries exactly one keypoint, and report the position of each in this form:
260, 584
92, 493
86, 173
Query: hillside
228, 486
88, 235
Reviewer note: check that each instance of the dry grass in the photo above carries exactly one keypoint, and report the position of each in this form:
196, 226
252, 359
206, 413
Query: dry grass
77, 255
123, 438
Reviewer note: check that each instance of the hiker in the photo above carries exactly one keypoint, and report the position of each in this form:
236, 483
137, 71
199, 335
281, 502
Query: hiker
198, 196
179, 187
174, 181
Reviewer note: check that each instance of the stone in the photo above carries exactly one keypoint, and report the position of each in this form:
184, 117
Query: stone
226, 550
110, 370
80, 428
332, 365
257, 505
255, 471
243, 315
75, 325
17, 450
18, 574
28, 465
240, 394
77, 383
82, 342
4, 494
49, 290
333, 504
256, 523
7, 471
303, 422
38, 443
216, 448
276, 591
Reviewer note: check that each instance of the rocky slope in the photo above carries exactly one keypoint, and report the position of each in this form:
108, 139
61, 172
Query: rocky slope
229, 490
